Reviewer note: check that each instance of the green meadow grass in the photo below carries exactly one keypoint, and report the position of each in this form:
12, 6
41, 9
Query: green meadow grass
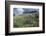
26, 20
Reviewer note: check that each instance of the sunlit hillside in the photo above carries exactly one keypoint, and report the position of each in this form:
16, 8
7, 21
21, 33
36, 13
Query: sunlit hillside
26, 20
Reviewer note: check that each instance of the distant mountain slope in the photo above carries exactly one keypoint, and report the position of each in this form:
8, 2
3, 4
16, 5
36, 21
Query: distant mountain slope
18, 11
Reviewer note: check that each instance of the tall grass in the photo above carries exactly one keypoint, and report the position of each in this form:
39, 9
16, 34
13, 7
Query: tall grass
26, 20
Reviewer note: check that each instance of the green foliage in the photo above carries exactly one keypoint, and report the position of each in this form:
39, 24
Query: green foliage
26, 20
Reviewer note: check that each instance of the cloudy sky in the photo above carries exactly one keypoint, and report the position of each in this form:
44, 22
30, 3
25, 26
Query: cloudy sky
21, 10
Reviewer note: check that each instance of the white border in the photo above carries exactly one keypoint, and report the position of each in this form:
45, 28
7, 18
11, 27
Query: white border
29, 28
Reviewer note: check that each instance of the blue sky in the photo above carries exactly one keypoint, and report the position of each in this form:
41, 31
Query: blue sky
21, 10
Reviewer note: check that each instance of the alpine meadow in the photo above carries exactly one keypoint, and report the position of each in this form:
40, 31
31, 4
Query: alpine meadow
25, 17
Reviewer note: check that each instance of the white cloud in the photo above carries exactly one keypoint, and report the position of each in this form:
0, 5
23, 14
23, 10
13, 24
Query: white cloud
19, 11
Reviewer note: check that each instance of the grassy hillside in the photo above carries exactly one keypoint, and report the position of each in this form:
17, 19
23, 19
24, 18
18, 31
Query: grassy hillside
26, 20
